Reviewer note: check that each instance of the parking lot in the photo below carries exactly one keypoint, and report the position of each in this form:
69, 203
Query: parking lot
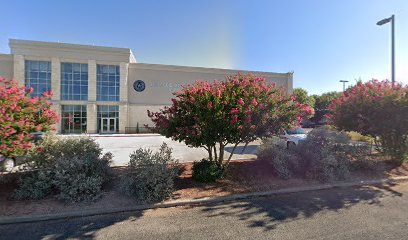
121, 145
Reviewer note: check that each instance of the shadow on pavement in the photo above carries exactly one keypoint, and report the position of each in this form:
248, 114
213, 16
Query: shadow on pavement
268, 212
71, 228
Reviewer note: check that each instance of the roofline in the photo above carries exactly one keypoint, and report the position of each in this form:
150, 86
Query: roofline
202, 69
31, 43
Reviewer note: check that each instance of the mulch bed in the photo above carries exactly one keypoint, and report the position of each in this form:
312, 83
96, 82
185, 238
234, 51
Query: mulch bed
242, 176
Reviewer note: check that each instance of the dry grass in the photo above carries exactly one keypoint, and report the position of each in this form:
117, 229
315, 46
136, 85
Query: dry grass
355, 136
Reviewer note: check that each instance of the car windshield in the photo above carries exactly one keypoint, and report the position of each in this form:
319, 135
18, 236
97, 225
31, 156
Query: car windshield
296, 131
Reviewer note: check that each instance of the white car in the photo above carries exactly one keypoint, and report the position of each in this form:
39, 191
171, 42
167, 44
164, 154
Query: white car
291, 138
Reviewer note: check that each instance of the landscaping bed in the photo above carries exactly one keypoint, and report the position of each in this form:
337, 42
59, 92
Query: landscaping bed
242, 176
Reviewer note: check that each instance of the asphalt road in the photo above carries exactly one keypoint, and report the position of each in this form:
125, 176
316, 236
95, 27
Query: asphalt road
122, 146
346, 213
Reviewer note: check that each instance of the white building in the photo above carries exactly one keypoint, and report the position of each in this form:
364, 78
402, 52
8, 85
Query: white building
103, 89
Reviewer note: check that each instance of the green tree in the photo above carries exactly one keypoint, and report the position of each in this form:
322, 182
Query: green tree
303, 97
322, 103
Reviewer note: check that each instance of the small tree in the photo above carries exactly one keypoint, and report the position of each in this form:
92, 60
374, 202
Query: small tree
321, 105
20, 115
238, 110
303, 97
375, 108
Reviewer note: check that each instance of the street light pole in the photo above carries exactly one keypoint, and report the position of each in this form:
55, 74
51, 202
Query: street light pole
392, 50
382, 22
344, 84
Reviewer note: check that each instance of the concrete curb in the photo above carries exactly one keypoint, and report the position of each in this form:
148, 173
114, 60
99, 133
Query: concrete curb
207, 200
110, 135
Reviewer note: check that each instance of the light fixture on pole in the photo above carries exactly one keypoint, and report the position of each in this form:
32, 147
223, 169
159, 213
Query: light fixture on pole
382, 22
344, 84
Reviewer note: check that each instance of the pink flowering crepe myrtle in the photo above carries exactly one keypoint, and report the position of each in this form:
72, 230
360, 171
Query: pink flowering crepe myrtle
20, 115
376, 108
238, 110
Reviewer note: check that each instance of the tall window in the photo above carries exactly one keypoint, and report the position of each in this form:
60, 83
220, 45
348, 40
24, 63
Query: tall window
73, 118
107, 82
74, 81
38, 76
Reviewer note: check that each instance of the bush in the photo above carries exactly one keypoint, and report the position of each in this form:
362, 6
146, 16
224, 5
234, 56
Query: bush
284, 161
81, 178
34, 185
324, 155
207, 171
73, 167
52, 147
151, 176
364, 164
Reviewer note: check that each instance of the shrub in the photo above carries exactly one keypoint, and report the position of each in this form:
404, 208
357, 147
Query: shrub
324, 155
207, 171
52, 147
74, 167
284, 161
34, 185
80, 178
151, 176
378, 109
364, 164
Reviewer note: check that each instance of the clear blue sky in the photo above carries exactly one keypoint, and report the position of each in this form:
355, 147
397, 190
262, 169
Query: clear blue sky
321, 41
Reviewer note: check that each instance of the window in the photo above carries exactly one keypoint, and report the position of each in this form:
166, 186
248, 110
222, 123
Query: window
38, 77
107, 83
108, 119
73, 118
74, 81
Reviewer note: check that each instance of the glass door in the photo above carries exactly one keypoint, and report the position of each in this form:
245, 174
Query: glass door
112, 124
108, 125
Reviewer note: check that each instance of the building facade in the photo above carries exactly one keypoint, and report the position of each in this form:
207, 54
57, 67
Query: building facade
103, 89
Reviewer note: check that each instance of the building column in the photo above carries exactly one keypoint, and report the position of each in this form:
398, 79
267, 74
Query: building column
91, 118
124, 82
92, 80
123, 117
18, 69
56, 79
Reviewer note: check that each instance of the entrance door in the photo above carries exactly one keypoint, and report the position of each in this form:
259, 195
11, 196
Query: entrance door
108, 125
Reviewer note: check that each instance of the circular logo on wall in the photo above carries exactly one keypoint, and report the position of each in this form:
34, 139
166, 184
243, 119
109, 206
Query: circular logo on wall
139, 86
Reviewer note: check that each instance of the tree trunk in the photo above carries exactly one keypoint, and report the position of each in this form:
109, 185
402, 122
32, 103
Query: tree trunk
221, 155
215, 154
230, 156
209, 149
